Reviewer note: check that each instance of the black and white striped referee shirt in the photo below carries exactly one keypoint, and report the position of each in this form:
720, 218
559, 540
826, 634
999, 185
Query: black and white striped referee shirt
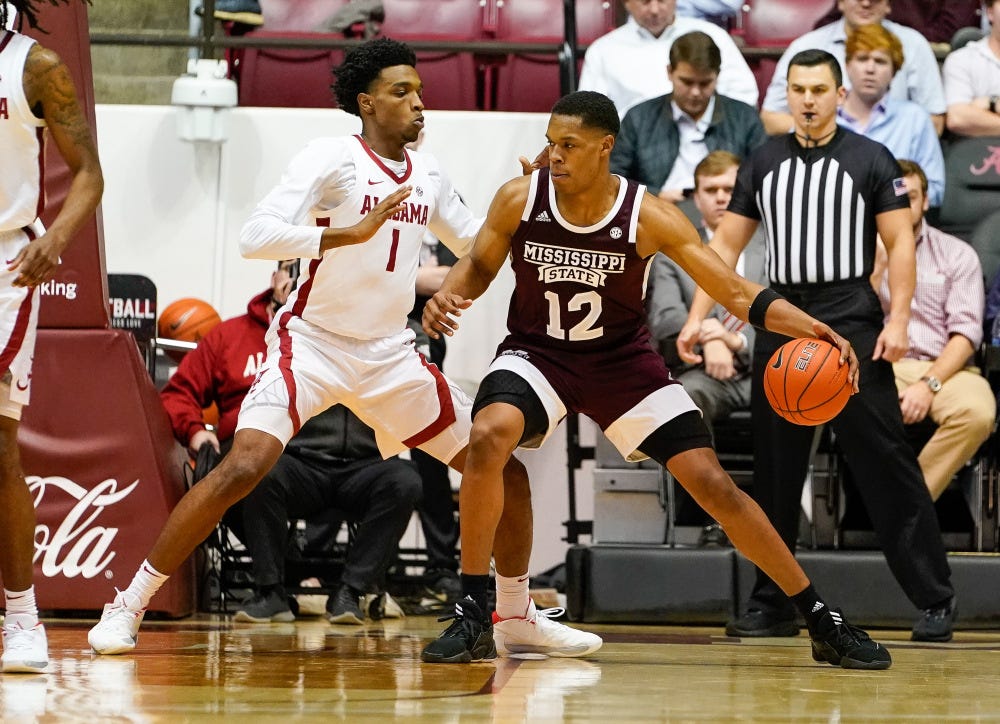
818, 205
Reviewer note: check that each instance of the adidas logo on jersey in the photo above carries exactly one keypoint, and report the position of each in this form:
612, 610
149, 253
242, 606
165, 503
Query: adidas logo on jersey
544, 216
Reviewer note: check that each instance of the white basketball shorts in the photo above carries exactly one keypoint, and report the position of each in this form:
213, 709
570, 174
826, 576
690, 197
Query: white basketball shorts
385, 382
18, 327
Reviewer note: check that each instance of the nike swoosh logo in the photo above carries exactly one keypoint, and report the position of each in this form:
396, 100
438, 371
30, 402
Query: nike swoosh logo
372, 183
183, 318
777, 362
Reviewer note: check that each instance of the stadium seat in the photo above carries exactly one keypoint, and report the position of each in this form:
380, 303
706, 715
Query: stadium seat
531, 82
985, 239
451, 79
972, 185
774, 24
288, 78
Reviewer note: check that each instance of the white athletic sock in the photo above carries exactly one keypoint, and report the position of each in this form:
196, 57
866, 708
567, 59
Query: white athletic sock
146, 583
21, 608
512, 596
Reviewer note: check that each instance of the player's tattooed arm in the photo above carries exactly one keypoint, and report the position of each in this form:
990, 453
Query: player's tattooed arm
51, 96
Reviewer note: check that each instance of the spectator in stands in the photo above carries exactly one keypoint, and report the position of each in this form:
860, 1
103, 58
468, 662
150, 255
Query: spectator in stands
719, 384
874, 55
663, 139
627, 64
934, 377
936, 20
437, 508
333, 462
972, 82
917, 80
719, 12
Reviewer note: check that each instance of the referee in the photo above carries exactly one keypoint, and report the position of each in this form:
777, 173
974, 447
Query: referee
822, 194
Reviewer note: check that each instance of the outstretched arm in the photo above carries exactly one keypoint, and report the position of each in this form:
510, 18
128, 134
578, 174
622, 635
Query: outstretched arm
664, 229
52, 96
473, 274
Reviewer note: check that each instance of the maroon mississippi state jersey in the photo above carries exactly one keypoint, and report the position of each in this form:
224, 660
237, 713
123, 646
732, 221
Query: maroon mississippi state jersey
577, 288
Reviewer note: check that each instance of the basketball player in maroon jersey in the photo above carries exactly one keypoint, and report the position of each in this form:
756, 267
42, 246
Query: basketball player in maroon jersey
36, 92
580, 240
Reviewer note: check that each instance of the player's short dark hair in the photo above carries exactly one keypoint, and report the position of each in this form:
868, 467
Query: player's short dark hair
27, 12
912, 168
595, 110
814, 57
698, 50
362, 66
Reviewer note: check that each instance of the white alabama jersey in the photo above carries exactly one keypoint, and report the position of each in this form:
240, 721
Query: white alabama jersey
365, 290
20, 138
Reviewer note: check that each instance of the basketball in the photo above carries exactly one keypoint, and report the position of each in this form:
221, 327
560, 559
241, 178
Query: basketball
805, 382
186, 320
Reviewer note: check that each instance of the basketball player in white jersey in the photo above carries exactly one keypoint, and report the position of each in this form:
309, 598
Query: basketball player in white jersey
36, 92
580, 240
356, 209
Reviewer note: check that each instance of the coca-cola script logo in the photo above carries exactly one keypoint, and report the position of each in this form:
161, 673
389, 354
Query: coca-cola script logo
989, 162
77, 547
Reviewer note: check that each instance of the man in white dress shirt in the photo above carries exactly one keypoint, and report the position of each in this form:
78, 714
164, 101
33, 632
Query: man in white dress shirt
627, 64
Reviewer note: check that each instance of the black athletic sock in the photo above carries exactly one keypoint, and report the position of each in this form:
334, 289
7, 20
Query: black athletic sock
811, 606
477, 588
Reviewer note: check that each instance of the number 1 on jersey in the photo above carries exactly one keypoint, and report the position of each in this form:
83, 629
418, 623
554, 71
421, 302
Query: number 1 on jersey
391, 265
582, 330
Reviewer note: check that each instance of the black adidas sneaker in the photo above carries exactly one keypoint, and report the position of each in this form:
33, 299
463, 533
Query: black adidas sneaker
468, 638
839, 643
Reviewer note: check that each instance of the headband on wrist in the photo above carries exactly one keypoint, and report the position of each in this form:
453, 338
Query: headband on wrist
758, 309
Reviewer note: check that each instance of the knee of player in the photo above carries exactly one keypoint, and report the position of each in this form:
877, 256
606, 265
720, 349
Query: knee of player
717, 493
495, 435
235, 478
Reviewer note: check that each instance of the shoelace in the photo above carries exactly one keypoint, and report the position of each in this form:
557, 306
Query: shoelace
554, 612
120, 606
461, 623
17, 638
846, 630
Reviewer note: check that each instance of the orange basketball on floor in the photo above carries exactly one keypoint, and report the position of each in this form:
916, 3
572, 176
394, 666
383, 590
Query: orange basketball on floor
805, 382
186, 320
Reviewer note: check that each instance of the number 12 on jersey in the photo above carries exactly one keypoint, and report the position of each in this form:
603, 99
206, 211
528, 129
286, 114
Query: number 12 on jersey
582, 330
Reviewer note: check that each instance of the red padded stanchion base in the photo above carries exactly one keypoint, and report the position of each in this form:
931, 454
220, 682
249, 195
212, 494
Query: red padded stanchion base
102, 466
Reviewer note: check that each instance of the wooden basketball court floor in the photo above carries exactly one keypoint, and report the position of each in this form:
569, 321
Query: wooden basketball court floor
209, 668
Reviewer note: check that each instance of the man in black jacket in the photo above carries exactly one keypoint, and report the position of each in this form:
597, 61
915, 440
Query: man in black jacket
663, 139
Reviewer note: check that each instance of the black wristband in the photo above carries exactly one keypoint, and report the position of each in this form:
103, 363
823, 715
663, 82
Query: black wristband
758, 309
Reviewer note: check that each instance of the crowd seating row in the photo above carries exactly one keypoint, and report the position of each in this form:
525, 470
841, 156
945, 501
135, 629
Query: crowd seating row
486, 80
453, 80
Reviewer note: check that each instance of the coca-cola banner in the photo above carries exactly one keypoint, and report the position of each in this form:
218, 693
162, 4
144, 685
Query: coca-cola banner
77, 296
103, 468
